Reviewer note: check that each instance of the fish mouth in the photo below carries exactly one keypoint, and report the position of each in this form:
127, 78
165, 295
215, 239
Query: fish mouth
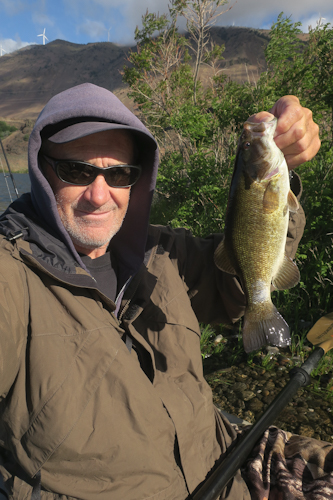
262, 128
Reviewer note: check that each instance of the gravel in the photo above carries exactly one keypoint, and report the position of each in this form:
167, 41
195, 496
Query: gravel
245, 391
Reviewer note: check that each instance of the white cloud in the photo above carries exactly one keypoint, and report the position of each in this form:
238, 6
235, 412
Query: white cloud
94, 16
93, 29
257, 13
12, 7
10, 45
121, 15
251, 13
42, 19
314, 20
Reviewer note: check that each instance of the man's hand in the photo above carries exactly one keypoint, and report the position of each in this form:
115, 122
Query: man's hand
297, 135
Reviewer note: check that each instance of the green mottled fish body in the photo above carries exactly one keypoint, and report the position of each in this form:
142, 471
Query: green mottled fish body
255, 233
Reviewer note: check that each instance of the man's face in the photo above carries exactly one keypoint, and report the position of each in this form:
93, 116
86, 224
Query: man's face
92, 214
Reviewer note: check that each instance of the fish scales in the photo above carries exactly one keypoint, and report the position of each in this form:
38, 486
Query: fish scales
266, 234
256, 231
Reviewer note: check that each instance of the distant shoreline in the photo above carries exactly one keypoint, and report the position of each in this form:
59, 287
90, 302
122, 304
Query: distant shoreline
24, 171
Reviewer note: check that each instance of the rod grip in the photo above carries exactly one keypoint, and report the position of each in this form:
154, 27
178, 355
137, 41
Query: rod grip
216, 482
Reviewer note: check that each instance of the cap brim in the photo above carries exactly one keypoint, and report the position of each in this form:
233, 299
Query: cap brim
83, 129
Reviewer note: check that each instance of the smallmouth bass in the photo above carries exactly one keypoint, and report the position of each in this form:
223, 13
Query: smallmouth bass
255, 233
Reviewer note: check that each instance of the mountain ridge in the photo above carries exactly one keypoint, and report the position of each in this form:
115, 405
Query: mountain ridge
30, 76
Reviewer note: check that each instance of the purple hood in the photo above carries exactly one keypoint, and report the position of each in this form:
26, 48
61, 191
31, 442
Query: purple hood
87, 102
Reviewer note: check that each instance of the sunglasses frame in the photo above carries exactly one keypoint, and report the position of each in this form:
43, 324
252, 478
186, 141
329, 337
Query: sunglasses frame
54, 162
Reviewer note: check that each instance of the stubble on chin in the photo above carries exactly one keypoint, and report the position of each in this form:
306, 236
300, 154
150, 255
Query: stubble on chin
87, 233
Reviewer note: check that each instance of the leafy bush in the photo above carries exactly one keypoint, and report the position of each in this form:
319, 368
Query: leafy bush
194, 197
197, 128
6, 129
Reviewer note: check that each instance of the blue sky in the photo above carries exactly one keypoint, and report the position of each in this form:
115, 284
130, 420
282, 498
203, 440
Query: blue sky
86, 21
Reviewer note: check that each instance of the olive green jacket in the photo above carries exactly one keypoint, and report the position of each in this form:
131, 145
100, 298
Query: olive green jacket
99, 419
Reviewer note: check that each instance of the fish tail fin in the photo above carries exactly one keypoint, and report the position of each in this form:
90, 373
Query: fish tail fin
264, 325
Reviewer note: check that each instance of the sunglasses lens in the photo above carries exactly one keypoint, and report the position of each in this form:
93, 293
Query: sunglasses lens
76, 173
122, 176
82, 174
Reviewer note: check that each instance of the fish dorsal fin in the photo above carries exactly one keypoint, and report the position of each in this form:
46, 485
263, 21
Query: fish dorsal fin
222, 260
271, 198
292, 202
287, 276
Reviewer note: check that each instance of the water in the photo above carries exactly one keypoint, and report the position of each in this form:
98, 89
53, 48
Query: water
22, 183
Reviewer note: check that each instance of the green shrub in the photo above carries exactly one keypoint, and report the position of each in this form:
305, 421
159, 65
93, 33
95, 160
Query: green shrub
6, 129
197, 128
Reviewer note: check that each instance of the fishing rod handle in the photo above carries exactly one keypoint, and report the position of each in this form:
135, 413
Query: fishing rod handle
310, 364
213, 486
307, 367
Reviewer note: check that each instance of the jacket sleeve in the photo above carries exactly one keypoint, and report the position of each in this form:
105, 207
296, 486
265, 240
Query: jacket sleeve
216, 296
13, 318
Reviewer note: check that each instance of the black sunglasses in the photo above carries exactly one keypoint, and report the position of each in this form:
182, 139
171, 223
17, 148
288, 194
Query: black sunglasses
81, 173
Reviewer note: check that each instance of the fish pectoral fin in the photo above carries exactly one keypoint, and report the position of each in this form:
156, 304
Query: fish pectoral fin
222, 260
292, 202
271, 198
287, 276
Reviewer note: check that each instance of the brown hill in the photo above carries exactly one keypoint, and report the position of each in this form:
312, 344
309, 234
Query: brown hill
244, 55
31, 76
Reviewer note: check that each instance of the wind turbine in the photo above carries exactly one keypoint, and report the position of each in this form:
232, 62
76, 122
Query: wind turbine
44, 36
2, 50
109, 33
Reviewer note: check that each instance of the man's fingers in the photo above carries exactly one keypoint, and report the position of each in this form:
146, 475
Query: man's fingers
288, 111
294, 139
296, 133
300, 144
305, 153
262, 116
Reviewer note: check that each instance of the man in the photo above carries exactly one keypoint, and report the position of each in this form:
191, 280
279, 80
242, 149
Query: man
103, 395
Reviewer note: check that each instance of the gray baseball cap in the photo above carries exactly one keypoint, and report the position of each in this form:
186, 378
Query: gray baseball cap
68, 131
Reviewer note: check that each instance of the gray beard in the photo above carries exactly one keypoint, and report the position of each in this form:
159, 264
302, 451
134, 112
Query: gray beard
78, 230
